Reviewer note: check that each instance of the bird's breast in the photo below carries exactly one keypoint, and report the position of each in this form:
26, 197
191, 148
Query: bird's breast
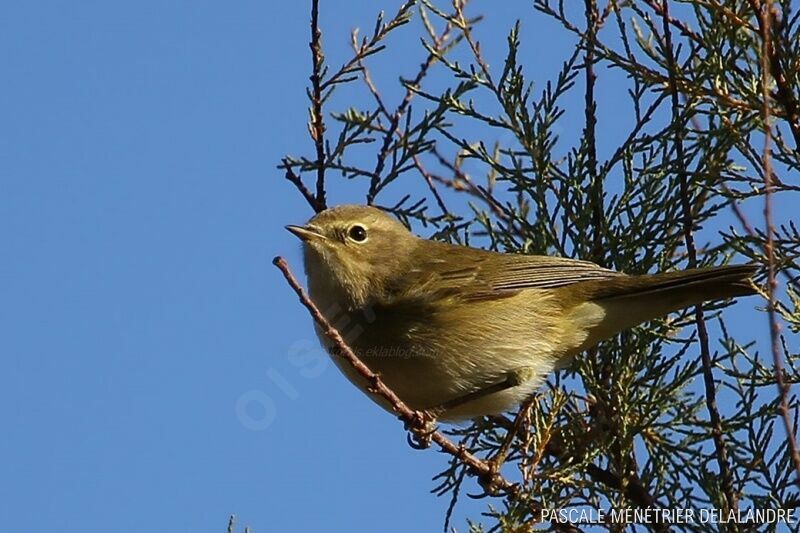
431, 354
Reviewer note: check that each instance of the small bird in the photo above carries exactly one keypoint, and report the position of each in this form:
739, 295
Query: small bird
463, 332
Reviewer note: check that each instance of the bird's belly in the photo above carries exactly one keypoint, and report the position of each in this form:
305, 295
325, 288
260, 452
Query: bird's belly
429, 362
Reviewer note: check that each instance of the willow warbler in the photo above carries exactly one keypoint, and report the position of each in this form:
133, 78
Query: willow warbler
465, 332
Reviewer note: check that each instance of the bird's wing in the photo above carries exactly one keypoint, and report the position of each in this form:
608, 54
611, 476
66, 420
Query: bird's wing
480, 274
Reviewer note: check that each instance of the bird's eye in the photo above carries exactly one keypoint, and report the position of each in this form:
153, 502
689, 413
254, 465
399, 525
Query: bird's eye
357, 233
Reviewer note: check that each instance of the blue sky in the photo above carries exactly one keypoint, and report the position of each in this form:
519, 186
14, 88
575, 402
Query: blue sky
157, 373
140, 210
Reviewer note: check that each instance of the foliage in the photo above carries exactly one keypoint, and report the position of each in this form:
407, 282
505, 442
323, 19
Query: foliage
679, 413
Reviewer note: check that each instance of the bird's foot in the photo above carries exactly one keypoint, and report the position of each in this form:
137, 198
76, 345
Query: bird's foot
421, 429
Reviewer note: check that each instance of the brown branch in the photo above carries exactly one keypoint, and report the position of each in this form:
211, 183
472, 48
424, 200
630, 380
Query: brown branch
596, 184
488, 476
632, 488
512, 431
730, 15
688, 223
370, 46
394, 119
295, 179
751, 232
630, 485
463, 183
680, 25
740, 215
317, 126
590, 109
427, 176
784, 388
684, 28
771, 62
431, 186
654, 77
466, 29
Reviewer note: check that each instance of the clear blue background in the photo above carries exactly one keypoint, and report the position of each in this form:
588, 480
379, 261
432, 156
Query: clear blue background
157, 373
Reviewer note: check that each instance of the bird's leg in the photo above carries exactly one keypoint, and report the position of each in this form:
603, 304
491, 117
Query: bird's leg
512, 379
424, 425
421, 429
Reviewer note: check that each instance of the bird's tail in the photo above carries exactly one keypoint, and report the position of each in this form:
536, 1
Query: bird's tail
630, 300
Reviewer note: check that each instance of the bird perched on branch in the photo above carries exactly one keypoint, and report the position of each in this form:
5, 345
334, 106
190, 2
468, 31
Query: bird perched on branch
463, 332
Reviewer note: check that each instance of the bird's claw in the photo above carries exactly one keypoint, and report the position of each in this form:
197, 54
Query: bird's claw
421, 429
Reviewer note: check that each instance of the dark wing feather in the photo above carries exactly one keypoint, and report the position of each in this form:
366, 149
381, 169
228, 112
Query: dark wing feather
543, 272
480, 274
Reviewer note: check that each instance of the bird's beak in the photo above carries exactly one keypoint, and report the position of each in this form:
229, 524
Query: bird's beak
305, 233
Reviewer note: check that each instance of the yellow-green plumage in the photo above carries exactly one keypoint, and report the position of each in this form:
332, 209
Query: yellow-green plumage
439, 321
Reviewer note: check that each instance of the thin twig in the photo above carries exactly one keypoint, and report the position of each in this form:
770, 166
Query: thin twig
463, 183
394, 119
431, 186
295, 179
771, 62
741, 216
784, 388
511, 432
466, 28
590, 110
688, 223
317, 126
633, 489
451, 507
491, 480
